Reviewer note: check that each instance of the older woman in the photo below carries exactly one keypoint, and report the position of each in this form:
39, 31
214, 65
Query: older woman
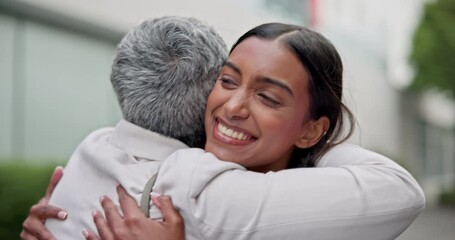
276, 105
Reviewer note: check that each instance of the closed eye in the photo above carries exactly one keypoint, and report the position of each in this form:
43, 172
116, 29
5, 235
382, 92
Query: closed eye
227, 83
269, 100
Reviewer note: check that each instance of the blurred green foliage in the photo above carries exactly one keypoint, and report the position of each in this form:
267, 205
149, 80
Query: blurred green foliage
434, 48
21, 185
447, 198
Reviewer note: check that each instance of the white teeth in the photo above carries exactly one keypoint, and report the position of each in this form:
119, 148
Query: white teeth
229, 132
241, 136
232, 133
235, 135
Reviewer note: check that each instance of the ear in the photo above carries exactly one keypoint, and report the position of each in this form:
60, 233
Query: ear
312, 132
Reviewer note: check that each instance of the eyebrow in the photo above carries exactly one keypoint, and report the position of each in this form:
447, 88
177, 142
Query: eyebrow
262, 79
233, 66
276, 83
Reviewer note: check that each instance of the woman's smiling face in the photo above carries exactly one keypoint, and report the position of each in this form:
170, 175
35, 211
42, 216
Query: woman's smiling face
259, 107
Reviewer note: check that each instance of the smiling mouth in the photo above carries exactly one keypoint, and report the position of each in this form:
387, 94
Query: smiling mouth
231, 133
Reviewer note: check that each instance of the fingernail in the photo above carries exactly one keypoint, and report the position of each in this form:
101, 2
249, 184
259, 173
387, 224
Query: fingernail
155, 195
58, 168
94, 213
62, 215
102, 198
85, 233
154, 198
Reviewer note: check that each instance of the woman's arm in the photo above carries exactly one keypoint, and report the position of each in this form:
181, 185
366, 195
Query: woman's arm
353, 193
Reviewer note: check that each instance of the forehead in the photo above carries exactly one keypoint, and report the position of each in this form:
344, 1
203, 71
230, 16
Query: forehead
257, 57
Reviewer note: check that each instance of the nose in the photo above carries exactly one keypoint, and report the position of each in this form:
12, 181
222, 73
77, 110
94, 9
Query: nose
236, 107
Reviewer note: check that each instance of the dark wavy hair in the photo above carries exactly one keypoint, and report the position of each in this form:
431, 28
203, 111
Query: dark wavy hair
325, 69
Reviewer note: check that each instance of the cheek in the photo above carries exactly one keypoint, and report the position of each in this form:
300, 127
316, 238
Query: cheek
209, 108
215, 97
215, 100
281, 127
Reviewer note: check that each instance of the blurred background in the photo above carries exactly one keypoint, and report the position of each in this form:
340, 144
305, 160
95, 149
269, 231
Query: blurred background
55, 58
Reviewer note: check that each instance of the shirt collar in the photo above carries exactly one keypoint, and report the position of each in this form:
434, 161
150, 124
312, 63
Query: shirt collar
143, 143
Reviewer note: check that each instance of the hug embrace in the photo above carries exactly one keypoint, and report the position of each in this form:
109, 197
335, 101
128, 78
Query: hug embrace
215, 145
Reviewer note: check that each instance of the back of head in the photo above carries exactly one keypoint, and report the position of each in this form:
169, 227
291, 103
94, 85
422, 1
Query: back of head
325, 70
163, 72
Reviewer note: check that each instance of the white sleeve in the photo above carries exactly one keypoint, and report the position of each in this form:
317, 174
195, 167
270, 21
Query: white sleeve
353, 193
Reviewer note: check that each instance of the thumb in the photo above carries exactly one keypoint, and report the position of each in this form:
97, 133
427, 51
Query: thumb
55, 178
170, 214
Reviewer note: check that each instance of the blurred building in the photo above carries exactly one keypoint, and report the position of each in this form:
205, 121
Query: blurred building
55, 58
374, 39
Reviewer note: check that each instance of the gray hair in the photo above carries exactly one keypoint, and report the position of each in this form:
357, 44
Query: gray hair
163, 72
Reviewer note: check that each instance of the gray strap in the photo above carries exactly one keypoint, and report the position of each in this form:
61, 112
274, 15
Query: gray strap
145, 199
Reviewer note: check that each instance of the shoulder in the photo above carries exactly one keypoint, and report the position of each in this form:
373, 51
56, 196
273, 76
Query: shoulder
198, 161
100, 134
186, 153
97, 136
94, 144
190, 156
351, 154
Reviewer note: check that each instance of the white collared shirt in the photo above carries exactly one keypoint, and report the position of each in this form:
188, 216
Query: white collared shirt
352, 194
126, 154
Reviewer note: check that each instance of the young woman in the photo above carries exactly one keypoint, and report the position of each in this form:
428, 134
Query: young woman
276, 105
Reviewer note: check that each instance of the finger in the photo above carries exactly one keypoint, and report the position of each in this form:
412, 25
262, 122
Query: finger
154, 199
27, 236
55, 178
113, 216
89, 235
128, 205
44, 211
101, 225
34, 229
170, 213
